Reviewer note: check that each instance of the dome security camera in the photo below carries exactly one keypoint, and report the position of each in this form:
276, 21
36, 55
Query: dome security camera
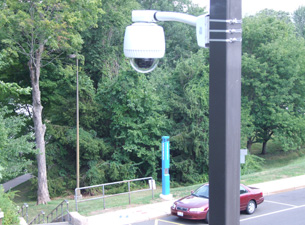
144, 41
144, 44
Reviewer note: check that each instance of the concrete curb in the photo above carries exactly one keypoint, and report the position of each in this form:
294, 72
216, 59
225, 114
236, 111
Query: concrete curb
77, 219
283, 190
282, 185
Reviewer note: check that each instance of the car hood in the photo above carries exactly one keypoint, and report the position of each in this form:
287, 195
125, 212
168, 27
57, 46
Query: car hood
192, 201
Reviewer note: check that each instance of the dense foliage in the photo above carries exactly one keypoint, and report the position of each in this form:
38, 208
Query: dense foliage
8, 207
124, 114
273, 80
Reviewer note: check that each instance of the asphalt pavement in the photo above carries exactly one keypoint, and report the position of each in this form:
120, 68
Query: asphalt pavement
162, 209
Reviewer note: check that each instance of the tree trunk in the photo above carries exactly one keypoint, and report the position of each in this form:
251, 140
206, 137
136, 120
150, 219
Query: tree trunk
249, 145
40, 129
264, 148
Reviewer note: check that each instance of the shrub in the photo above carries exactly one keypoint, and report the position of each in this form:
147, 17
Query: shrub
253, 164
8, 207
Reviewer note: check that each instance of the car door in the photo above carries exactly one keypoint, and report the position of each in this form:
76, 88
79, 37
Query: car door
244, 198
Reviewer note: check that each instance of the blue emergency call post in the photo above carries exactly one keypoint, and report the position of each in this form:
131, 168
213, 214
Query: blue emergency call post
165, 169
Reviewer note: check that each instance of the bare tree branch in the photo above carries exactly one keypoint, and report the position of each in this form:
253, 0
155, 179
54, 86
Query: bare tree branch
49, 62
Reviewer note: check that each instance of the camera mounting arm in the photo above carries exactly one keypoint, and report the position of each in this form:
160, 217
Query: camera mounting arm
201, 22
153, 16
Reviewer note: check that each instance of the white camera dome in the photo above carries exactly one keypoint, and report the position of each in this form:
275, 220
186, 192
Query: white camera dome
144, 44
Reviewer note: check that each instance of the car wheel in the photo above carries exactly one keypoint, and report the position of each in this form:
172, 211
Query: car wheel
207, 219
251, 207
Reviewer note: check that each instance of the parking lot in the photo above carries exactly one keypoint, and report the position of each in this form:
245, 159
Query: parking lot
279, 209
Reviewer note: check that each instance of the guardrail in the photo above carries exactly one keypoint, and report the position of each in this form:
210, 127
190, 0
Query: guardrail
22, 213
40, 218
61, 213
77, 190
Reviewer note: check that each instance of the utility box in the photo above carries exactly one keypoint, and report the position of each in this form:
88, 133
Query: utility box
243, 153
152, 184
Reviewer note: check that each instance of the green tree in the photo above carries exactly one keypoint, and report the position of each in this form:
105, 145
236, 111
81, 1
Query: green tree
184, 92
16, 146
299, 20
190, 103
132, 111
272, 58
103, 45
41, 31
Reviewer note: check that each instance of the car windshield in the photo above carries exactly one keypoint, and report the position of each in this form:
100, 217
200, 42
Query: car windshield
203, 192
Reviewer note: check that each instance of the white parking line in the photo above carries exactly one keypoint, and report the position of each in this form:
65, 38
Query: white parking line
157, 220
281, 203
268, 214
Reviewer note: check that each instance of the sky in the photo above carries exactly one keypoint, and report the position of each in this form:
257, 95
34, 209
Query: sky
250, 7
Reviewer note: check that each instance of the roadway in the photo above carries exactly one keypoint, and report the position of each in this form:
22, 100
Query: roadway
279, 209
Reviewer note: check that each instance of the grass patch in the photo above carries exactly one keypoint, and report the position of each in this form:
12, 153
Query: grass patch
278, 165
23, 193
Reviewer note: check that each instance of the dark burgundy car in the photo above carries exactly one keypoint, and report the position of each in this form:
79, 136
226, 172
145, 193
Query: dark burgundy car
196, 205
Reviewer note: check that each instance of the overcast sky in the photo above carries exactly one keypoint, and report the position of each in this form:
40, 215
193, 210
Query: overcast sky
250, 7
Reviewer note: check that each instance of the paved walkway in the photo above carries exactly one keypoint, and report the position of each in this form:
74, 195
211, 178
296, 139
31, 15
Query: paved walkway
157, 210
15, 182
282, 185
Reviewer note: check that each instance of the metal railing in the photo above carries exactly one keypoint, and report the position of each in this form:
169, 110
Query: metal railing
77, 190
37, 219
22, 213
40, 218
61, 213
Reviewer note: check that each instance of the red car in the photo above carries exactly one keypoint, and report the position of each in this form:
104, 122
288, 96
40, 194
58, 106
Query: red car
196, 205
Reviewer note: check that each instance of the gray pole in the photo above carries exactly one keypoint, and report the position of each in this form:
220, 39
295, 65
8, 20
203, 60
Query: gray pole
225, 100
77, 127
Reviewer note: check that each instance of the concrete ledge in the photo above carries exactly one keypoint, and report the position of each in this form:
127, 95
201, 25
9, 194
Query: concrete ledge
77, 219
166, 197
22, 221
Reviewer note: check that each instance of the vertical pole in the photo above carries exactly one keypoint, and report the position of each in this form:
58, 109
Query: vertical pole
62, 212
67, 209
165, 166
77, 128
225, 100
152, 188
129, 192
26, 211
75, 197
104, 197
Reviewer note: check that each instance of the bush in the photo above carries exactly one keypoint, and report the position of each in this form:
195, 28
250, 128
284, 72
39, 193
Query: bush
253, 164
8, 207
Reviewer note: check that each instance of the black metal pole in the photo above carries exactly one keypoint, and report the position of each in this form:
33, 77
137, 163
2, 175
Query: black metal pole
225, 100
